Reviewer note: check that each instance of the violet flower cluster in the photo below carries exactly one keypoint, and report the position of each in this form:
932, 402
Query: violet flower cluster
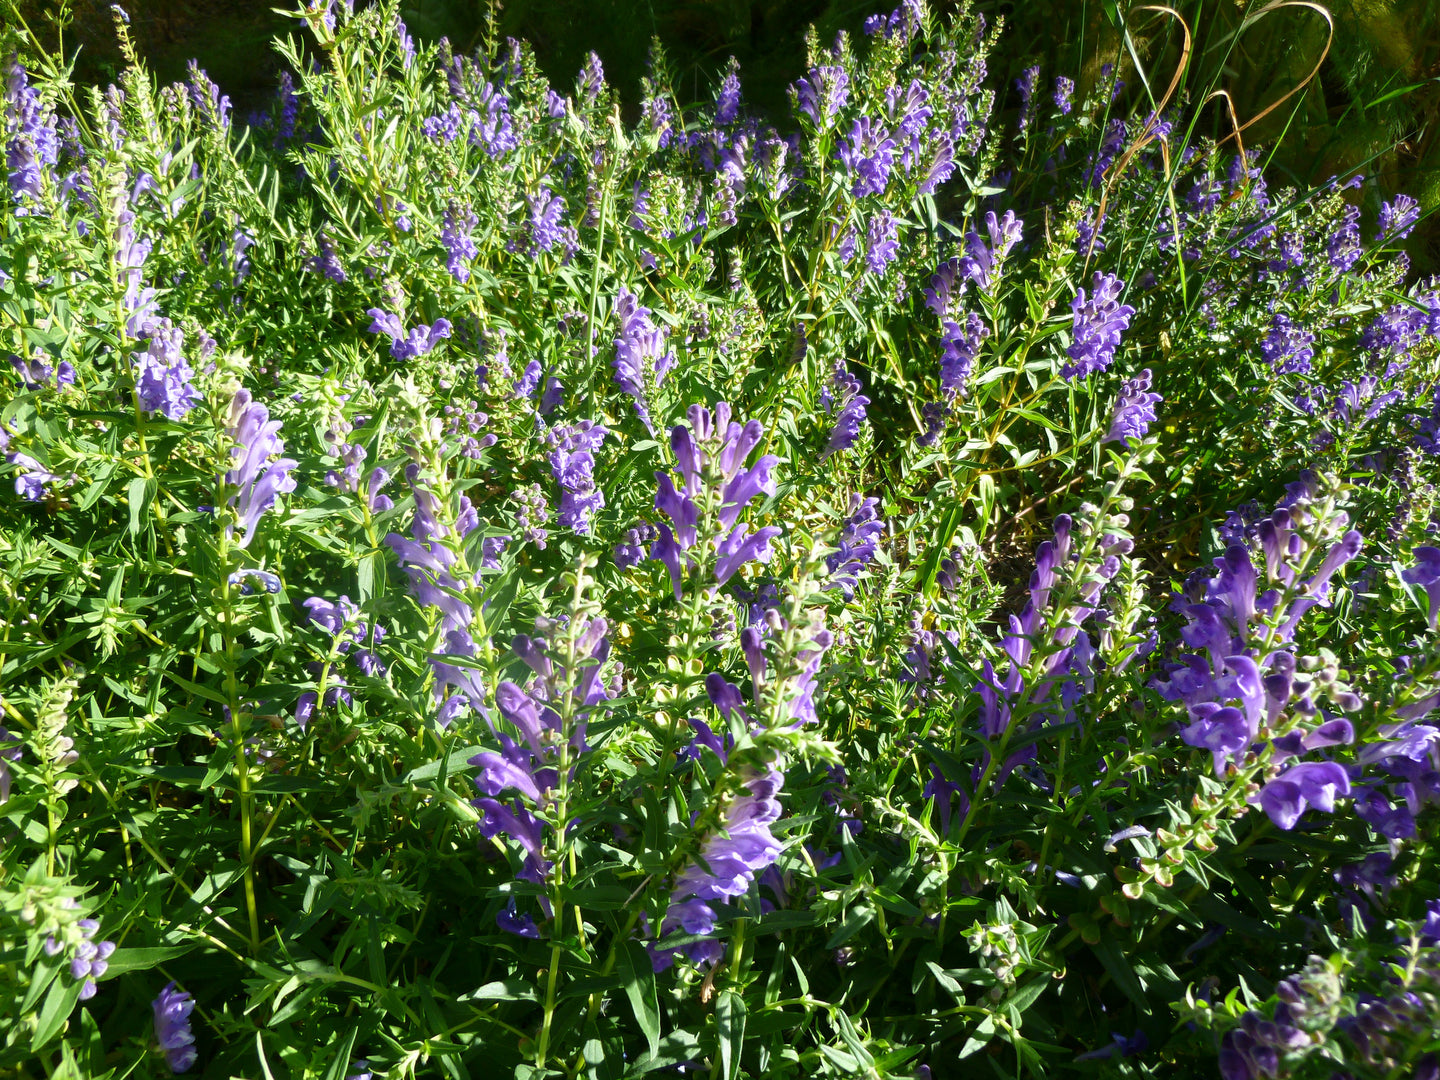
1134, 412
1249, 695
32, 141
259, 474
822, 94
981, 262
641, 354
429, 558
572, 463
1047, 648
172, 1009
419, 341
960, 348
842, 399
528, 768
859, 540
1100, 320
729, 860
714, 490
88, 959
162, 374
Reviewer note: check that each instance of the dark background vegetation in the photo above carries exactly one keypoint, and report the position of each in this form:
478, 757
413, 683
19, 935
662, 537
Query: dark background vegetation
1372, 107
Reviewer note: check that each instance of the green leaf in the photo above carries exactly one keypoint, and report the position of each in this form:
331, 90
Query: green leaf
730, 1027
1108, 950
431, 770
638, 974
139, 495
145, 958
512, 989
59, 1002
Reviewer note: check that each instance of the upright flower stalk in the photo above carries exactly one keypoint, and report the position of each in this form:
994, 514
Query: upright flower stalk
549, 713
257, 476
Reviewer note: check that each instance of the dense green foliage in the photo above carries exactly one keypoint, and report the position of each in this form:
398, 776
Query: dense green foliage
677, 484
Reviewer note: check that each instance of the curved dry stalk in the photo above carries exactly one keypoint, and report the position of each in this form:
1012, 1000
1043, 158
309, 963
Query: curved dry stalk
1146, 136
1235, 126
1276, 5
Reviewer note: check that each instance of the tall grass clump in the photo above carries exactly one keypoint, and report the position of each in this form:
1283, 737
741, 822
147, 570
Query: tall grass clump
940, 586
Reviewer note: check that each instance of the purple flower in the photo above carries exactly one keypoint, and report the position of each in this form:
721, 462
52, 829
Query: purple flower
1343, 250
443, 127
947, 286
209, 102
591, 79
91, 959
172, 1010
857, 544
711, 453
1100, 320
11, 749
960, 348
743, 847
641, 357
843, 400
405, 42
491, 128
546, 225
326, 261
1027, 82
268, 581
1064, 89
257, 471
459, 247
1426, 574
32, 477
162, 375
37, 375
981, 264
727, 99
822, 93
657, 114
1397, 218
420, 340
34, 142
939, 165
572, 463
881, 247
869, 154
521, 924
1311, 783
330, 617
1287, 348
289, 110
1134, 411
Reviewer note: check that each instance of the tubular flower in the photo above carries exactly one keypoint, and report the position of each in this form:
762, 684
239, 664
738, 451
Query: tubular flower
1134, 411
418, 342
981, 264
869, 154
730, 859
162, 375
961, 347
1100, 320
641, 357
527, 769
172, 1010
257, 470
714, 489
572, 463
843, 400
822, 94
